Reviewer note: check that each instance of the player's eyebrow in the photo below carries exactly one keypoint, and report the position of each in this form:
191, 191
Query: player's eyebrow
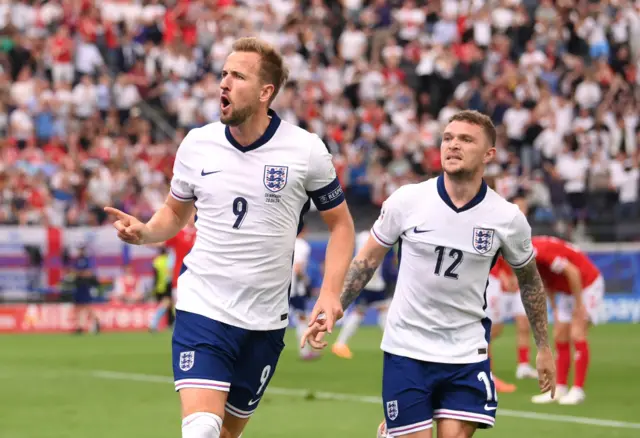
462, 136
234, 73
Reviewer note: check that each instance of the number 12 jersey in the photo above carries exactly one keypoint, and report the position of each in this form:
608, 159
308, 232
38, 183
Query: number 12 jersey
438, 309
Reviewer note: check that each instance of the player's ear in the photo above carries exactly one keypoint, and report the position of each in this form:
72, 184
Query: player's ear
489, 155
266, 92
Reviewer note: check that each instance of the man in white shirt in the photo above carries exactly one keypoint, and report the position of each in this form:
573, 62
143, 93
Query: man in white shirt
250, 177
450, 231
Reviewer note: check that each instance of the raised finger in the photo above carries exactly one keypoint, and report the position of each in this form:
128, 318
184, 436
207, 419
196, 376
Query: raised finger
117, 213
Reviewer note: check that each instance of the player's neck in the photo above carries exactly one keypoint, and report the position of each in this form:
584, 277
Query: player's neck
252, 129
462, 191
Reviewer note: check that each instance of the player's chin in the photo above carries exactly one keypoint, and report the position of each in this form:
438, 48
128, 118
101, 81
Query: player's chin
226, 117
453, 167
231, 119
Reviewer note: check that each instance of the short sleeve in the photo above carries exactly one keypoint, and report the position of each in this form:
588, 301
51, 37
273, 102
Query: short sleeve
389, 225
517, 249
321, 183
181, 187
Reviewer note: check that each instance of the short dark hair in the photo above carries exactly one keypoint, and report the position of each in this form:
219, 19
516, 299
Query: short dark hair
272, 68
477, 118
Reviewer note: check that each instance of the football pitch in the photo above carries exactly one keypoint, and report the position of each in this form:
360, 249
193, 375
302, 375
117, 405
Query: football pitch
119, 385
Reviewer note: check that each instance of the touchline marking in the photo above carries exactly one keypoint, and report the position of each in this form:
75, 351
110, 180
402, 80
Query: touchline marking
321, 395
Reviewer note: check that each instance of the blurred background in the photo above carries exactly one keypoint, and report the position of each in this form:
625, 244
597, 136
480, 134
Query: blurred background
95, 97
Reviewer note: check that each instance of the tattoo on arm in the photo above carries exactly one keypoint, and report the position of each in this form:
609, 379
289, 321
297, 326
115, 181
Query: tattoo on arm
534, 300
359, 274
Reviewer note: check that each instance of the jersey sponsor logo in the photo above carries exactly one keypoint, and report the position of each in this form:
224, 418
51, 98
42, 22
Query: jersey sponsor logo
203, 173
187, 359
489, 408
392, 409
417, 231
482, 239
275, 177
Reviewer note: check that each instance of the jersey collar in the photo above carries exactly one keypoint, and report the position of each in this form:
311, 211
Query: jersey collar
264, 138
477, 199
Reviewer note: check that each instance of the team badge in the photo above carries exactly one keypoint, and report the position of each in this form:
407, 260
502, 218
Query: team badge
187, 358
275, 177
392, 409
482, 240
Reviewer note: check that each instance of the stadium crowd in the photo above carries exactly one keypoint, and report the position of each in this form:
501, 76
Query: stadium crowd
96, 96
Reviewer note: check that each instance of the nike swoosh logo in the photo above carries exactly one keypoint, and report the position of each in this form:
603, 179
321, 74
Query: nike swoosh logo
253, 402
203, 173
417, 231
489, 408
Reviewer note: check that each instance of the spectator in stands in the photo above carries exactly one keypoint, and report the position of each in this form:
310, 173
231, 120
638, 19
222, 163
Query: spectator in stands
115, 86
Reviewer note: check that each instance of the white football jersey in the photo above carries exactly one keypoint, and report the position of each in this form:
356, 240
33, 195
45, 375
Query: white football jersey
376, 284
438, 311
301, 253
249, 202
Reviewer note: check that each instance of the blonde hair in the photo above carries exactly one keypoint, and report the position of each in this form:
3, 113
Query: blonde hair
477, 118
272, 68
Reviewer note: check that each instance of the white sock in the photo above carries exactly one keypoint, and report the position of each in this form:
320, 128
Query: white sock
201, 425
349, 327
301, 327
382, 318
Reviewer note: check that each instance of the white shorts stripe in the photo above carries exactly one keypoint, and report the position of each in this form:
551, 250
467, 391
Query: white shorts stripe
238, 412
411, 428
462, 415
202, 383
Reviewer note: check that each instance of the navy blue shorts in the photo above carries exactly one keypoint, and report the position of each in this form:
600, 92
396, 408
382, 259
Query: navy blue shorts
213, 355
368, 298
414, 393
82, 295
298, 304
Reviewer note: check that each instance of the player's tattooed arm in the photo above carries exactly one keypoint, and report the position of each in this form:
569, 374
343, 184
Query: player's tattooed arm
358, 275
534, 300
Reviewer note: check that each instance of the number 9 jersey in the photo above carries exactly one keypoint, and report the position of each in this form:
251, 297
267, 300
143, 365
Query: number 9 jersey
445, 255
250, 201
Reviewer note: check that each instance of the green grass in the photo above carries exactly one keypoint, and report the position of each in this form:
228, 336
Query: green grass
49, 389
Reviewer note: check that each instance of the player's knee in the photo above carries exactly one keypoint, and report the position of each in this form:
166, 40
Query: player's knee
202, 425
496, 330
450, 428
233, 426
522, 323
561, 332
578, 333
194, 400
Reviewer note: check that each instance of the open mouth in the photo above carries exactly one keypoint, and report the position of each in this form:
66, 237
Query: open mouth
225, 102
